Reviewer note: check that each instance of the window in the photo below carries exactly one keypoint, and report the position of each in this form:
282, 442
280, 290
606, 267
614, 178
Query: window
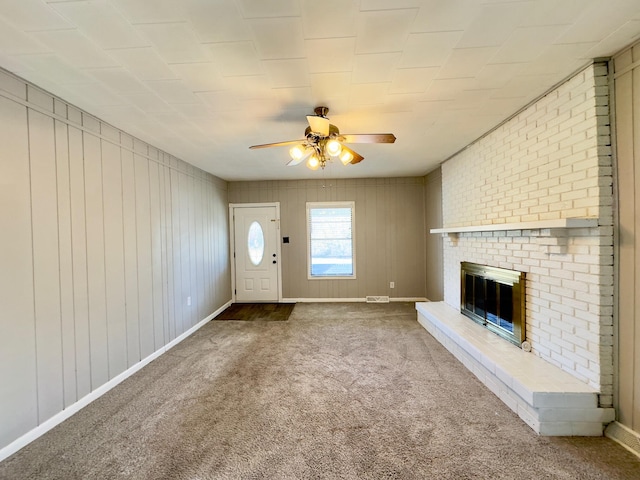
330, 245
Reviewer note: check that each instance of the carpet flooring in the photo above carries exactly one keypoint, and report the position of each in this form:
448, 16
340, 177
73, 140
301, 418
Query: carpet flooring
340, 391
257, 311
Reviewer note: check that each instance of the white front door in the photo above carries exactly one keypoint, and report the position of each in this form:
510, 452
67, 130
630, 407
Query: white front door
256, 230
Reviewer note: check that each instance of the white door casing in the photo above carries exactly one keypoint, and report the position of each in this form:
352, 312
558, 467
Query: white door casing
256, 252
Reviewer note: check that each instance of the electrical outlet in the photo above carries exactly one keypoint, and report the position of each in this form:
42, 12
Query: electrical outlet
392, 284
188, 301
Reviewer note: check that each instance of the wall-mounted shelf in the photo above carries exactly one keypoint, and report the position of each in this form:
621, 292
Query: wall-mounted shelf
538, 225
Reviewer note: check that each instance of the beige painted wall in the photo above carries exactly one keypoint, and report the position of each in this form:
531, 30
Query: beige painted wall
103, 238
433, 219
627, 101
390, 235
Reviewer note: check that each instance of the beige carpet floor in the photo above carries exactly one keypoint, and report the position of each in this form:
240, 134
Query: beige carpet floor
353, 391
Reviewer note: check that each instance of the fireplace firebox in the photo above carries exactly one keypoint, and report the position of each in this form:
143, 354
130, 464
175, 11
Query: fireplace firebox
494, 297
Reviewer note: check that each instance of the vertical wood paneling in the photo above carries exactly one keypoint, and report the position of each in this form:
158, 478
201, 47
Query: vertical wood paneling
18, 389
130, 244
98, 336
178, 261
145, 273
66, 264
114, 258
185, 257
93, 281
433, 219
156, 254
46, 267
627, 97
80, 269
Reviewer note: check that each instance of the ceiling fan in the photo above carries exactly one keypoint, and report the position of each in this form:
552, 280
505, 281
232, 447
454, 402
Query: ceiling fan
324, 141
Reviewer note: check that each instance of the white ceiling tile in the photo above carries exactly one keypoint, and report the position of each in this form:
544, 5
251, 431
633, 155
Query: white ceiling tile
369, 93
218, 21
118, 79
236, 58
272, 8
625, 35
173, 91
448, 16
493, 25
375, 68
148, 102
288, 73
466, 62
219, 101
16, 42
175, 42
321, 21
553, 12
555, 59
31, 15
527, 86
77, 49
429, 49
51, 66
448, 89
144, 63
278, 38
366, 5
384, 31
96, 94
494, 76
145, 11
413, 80
597, 22
330, 54
326, 85
528, 43
200, 77
249, 86
99, 21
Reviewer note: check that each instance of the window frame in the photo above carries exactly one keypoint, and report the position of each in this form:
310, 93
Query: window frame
317, 205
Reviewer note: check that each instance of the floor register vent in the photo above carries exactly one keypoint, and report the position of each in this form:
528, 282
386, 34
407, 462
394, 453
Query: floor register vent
377, 299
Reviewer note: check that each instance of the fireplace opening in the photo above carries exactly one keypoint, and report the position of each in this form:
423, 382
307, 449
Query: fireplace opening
494, 297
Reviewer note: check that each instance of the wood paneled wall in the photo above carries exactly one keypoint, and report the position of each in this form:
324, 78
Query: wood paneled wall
433, 219
390, 235
102, 240
627, 104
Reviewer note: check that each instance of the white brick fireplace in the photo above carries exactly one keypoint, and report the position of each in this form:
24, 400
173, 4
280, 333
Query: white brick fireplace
535, 195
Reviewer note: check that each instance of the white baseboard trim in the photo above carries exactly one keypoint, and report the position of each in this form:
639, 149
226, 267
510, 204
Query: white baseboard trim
60, 417
349, 300
626, 437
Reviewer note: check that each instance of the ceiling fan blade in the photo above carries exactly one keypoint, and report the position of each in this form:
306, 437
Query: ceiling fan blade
318, 124
368, 137
357, 158
277, 144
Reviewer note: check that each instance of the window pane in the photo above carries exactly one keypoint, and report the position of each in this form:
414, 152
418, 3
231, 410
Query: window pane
255, 243
331, 241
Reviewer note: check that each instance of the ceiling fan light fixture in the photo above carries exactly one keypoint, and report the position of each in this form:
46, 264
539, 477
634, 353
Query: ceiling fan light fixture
333, 148
346, 157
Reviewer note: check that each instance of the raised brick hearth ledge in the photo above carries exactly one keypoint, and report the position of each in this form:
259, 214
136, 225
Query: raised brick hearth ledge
549, 400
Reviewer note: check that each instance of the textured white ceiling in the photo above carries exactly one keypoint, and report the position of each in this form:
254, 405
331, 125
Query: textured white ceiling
205, 79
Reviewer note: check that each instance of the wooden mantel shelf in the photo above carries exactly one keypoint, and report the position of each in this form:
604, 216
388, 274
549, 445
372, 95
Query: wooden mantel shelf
538, 225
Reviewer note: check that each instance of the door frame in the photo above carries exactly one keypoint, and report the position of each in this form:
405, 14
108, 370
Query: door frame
232, 244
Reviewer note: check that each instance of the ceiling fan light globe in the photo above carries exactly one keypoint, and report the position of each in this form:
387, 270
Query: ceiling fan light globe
333, 148
297, 152
346, 157
313, 163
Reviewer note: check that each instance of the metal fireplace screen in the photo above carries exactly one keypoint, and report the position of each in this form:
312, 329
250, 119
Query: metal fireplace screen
494, 297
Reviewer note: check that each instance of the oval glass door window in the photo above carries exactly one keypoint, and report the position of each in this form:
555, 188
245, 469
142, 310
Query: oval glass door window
255, 243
